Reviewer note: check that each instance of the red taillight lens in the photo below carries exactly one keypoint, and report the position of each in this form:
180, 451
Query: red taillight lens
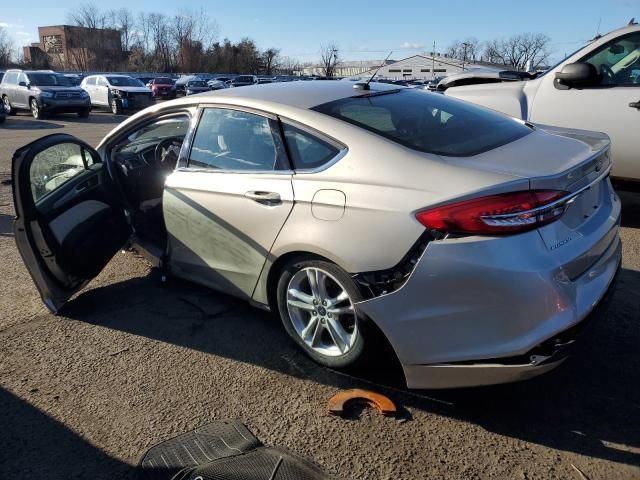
497, 214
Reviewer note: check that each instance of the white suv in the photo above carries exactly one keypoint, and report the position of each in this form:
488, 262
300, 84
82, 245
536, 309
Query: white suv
117, 92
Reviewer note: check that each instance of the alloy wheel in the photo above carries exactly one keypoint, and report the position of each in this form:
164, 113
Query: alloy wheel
7, 105
35, 109
321, 312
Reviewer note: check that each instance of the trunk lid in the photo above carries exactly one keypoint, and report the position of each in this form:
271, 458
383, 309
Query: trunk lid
574, 161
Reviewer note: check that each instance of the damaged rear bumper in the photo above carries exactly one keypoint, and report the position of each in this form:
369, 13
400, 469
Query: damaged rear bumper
477, 312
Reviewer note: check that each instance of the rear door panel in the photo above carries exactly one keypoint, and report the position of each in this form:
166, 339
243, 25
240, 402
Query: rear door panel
218, 235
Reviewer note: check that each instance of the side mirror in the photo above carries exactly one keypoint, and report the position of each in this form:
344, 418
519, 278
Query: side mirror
23, 84
577, 74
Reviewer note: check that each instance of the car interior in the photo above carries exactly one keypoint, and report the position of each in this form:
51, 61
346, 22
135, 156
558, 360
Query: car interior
142, 162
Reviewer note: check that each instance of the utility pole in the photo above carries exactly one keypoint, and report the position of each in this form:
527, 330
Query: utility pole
433, 61
464, 54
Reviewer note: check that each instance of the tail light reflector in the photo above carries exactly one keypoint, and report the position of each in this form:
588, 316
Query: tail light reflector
501, 214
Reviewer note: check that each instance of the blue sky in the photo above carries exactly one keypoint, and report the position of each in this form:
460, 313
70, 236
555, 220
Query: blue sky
363, 30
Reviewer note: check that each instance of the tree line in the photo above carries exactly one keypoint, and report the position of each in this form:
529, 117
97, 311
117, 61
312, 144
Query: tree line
183, 42
518, 52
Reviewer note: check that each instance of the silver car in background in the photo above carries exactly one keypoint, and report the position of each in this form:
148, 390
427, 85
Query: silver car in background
475, 244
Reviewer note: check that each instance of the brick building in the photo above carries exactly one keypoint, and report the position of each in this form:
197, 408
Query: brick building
67, 47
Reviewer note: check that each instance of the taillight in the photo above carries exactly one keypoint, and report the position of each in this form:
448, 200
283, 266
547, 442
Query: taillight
497, 214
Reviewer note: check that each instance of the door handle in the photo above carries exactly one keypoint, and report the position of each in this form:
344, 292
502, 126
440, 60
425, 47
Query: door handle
265, 198
635, 104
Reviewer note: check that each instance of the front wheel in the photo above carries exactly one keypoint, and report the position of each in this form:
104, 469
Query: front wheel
316, 305
84, 113
35, 109
116, 106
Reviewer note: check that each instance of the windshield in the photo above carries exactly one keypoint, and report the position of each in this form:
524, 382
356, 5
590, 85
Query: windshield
49, 80
162, 81
197, 83
125, 82
428, 122
244, 78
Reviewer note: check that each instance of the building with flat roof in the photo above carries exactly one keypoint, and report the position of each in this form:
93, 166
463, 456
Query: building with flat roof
67, 47
423, 67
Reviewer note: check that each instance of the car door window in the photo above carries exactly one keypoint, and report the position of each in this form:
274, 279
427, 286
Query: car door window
23, 78
55, 166
618, 61
236, 141
91, 81
101, 82
307, 151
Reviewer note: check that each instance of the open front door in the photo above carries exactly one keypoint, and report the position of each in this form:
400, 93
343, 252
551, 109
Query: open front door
68, 222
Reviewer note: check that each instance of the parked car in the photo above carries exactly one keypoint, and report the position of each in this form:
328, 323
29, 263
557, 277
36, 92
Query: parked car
196, 86
74, 78
43, 92
163, 87
182, 82
216, 84
596, 88
476, 244
117, 92
433, 84
265, 80
244, 80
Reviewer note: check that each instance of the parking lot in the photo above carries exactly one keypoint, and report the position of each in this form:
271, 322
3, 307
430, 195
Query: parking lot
130, 362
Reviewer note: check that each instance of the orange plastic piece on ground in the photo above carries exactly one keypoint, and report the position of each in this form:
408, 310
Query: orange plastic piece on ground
339, 402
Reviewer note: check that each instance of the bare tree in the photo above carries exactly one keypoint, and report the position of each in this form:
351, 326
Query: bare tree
519, 51
6, 48
466, 50
270, 60
329, 59
124, 21
88, 15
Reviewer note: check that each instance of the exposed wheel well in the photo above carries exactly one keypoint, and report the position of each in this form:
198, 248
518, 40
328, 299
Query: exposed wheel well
272, 282
276, 269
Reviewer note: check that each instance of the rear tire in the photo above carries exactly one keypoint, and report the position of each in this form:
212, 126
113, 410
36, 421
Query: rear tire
116, 106
84, 113
321, 319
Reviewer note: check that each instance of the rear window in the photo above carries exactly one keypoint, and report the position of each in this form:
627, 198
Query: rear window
428, 122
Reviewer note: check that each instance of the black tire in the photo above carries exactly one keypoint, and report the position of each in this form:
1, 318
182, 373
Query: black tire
356, 353
7, 106
2, 118
116, 106
36, 111
84, 113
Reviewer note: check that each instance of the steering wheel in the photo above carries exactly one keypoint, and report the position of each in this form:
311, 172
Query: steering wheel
606, 72
167, 152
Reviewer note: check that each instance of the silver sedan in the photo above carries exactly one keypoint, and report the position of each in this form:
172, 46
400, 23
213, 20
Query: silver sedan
475, 244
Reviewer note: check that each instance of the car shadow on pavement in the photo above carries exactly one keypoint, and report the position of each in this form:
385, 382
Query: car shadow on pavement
32, 443
99, 117
22, 124
590, 405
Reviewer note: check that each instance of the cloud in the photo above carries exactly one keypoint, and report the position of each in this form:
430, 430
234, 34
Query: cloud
4, 25
411, 45
23, 34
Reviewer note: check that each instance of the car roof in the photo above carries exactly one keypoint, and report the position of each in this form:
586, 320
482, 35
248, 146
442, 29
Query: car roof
295, 94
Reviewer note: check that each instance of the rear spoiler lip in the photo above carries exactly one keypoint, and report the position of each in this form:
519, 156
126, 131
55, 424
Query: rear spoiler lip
597, 141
